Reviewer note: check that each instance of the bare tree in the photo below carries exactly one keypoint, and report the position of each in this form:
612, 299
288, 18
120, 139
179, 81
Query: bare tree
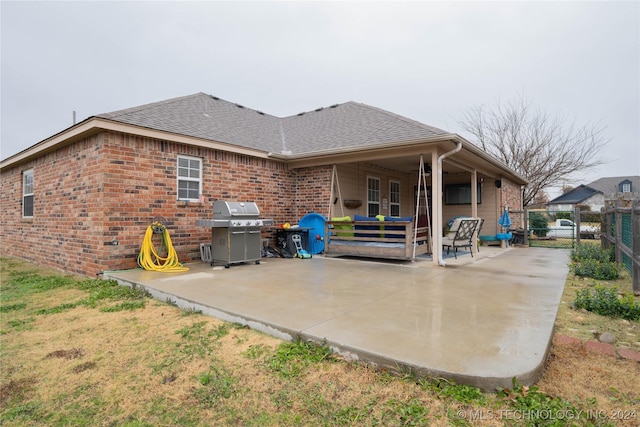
533, 143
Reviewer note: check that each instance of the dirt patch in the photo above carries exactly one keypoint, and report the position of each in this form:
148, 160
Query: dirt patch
84, 367
16, 388
74, 353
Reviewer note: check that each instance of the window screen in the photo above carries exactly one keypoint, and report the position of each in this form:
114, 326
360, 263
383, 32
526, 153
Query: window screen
394, 198
27, 194
189, 178
373, 196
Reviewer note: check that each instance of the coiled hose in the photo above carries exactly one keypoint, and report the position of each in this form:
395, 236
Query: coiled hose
148, 257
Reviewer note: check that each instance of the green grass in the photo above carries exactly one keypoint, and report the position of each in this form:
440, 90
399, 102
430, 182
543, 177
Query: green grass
200, 371
291, 359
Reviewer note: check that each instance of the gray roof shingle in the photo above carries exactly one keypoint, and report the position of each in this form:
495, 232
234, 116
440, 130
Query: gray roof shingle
606, 186
348, 125
609, 185
575, 196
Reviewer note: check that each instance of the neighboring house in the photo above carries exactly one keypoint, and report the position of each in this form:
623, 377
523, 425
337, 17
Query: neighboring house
593, 195
81, 200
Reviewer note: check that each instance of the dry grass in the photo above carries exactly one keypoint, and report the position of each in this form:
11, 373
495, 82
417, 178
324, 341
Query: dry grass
582, 376
160, 365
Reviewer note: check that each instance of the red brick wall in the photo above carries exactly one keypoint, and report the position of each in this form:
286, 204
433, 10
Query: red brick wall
512, 198
111, 185
312, 191
66, 230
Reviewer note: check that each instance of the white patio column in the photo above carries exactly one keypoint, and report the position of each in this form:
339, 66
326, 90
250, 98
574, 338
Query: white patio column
436, 208
474, 206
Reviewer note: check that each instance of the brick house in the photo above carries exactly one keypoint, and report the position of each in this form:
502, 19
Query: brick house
80, 200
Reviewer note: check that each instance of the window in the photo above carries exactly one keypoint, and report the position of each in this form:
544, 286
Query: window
626, 187
27, 194
189, 178
394, 198
460, 194
373, 196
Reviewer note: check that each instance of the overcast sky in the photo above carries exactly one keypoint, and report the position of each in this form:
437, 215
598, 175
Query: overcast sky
430, 61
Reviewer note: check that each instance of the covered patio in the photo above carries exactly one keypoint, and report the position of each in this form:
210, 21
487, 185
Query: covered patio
479, 321
430, 180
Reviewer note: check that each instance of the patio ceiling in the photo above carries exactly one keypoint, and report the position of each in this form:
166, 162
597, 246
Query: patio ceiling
410, 164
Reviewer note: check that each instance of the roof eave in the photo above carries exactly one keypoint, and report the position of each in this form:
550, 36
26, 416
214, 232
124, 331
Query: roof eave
94, 124
489, 158
305, 159
318, 154
67, 136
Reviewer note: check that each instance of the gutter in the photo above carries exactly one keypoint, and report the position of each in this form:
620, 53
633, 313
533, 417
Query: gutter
489, 158
307, 155
439, 238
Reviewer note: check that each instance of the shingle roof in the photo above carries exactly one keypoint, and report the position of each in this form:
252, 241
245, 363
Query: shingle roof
575, 196
205, 116
606, 186
609, 185
338, 126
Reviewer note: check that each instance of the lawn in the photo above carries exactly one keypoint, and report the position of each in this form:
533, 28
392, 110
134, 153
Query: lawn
88, 352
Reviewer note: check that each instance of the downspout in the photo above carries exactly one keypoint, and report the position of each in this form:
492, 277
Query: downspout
439, 234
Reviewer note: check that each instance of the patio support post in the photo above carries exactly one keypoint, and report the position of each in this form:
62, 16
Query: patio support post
438, 241
436, 209
474, 207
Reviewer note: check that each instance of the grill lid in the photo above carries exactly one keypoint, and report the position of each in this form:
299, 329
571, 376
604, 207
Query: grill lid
223, 209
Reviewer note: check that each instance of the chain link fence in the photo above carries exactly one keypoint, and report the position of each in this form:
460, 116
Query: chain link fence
562, 229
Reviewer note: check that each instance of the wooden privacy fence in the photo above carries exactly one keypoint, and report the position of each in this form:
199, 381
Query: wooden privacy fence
621, 229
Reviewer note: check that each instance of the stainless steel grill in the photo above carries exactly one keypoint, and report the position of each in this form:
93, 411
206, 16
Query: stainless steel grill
236, 231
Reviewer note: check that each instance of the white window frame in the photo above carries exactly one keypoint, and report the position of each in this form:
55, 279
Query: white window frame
189, 174
626, 187
27, 191
393, 203
375, 192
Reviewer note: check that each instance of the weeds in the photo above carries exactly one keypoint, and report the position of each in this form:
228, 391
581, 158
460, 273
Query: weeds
402, 413
596, 269
459, 393
217, 384
541, 409
197, 341
292, 358
21, 324
607, 302
127, 305
12, 307
256, 351
595, 262
586, 251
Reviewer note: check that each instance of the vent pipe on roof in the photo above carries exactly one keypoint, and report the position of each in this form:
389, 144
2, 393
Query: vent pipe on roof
74, 117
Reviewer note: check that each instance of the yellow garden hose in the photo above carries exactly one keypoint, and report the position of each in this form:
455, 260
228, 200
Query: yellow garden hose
149, 258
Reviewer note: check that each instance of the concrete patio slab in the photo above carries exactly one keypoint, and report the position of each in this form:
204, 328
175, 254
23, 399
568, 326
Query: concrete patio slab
478, 321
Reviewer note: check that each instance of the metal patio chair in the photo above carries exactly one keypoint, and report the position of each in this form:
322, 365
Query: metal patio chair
463, 237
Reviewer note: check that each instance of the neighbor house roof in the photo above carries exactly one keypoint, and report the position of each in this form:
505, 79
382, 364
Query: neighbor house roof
610, 184
575, 196
339, 126
605, 186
